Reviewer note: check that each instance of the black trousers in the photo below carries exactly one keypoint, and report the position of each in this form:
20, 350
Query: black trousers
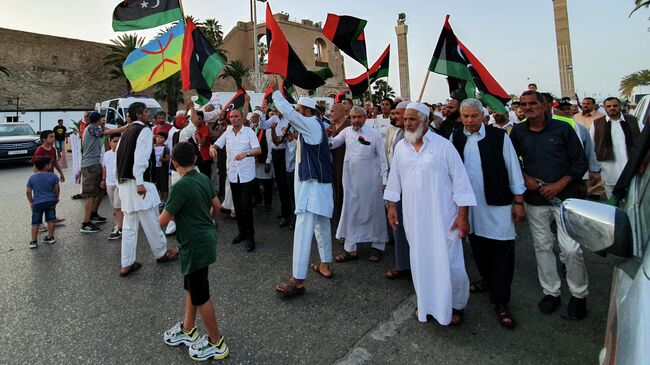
280, 168
205, 167
267, 184
242, 198
495, 261
221, 166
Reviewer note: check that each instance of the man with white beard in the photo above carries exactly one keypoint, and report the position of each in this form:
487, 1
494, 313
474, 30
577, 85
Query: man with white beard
365, 172
429, 177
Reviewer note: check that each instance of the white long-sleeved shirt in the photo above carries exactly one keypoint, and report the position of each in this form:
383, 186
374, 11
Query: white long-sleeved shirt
241, 171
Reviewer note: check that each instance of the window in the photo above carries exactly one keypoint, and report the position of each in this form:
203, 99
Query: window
320, 50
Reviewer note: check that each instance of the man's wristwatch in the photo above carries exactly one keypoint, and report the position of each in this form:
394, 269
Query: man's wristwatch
248, 153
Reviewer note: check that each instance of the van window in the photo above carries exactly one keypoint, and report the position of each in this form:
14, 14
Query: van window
110, 116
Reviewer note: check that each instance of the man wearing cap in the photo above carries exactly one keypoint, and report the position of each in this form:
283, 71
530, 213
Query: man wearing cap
429, 177
365, 172
91, 170
313, 190
138, 193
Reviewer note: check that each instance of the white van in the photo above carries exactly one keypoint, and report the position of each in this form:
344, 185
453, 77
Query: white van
115, 110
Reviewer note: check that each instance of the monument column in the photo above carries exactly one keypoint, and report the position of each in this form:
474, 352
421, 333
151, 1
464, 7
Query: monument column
402, 52
563, 39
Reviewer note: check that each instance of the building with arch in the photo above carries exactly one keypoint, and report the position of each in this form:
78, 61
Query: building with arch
306, 38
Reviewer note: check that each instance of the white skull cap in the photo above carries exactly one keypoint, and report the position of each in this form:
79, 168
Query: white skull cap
419, 107
307, 102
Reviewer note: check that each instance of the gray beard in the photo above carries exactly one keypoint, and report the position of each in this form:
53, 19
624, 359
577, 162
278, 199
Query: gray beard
356, 128
412, 137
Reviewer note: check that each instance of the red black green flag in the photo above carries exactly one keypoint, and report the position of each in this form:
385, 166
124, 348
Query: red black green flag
284, 61
379, 69
287, 91
237, 101
466, 76
340, 96
145, 14
201, 63
346, 32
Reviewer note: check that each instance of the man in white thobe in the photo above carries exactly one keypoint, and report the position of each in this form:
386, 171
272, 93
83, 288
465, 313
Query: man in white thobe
428, 176
365, 172
313, 191
138, 194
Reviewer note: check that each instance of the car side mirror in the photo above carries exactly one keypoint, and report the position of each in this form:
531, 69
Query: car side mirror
599, 227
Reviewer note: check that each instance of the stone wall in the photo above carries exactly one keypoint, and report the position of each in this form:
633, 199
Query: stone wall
53, 72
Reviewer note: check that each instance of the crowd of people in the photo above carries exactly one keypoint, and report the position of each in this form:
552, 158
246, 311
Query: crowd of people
420, 177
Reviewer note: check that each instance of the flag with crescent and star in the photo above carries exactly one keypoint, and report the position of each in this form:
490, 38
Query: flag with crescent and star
144, 14
379, 69
156, 60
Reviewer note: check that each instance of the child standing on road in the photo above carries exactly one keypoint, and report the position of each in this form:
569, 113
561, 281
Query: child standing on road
109, 182
43, 195
162, 165
189, 204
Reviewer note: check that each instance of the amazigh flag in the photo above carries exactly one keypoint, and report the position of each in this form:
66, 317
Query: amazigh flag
346, 32
145, 14
464, 71
237, 101
201, 63
156, 60
379, 69
284, 61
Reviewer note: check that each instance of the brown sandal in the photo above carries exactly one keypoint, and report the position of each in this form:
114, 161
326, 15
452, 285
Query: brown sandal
393, 273
460, 316
346, 256
170, 255
375, 255
131, 269
290, 289
316, 268
505, 317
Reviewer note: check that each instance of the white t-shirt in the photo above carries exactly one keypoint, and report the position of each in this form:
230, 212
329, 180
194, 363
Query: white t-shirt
159, 150
290, 155
109, 160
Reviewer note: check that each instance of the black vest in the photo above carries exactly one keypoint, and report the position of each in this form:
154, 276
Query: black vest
126, 155
495, 175
261, 137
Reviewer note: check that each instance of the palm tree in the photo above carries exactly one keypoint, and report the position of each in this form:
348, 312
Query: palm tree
119, 51
629, 82
5, 71
381, 90
638, 4
211, 29
170, 91
237, 71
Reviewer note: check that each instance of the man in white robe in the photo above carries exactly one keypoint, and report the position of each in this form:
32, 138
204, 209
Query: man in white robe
429, 177
365, 172
314, 199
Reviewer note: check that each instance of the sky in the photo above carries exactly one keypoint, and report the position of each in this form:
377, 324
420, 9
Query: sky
514, 39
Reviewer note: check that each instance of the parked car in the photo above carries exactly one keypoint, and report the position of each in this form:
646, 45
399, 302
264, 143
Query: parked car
18, 141
622, 231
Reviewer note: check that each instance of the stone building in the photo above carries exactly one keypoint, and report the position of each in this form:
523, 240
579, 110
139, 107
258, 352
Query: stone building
50, 72
306, 38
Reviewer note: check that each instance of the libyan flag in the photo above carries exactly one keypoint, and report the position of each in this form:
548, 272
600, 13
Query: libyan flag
237, 102
379, 69
283, 60
346, 32
145, 14
201, 63
156, 60
287, 91
467, 77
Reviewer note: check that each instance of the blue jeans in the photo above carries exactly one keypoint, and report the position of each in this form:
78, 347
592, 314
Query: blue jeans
47, 208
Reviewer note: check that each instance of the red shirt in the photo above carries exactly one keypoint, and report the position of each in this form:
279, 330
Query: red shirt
40, 151
204, 149
161, 128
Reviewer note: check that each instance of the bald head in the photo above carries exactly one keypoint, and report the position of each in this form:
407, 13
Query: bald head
338, 112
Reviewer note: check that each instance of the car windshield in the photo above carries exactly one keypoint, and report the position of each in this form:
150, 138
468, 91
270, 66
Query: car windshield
8, 130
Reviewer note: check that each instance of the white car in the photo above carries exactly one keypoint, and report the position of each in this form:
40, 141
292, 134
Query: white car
623, 232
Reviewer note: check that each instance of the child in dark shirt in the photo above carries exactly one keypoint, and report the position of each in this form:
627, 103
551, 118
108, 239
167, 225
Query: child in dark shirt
43, 195
162, 164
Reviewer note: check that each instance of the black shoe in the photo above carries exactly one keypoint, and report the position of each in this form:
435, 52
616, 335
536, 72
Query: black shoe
279, 216
577, 308
283, 222
549, 304
89, 228
237, 239
250, 245
96, 218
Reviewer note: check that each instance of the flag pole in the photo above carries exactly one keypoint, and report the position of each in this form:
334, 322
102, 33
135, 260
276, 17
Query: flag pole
424, 85
368, 81
180, 4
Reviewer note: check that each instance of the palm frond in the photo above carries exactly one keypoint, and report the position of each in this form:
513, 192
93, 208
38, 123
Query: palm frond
631, 81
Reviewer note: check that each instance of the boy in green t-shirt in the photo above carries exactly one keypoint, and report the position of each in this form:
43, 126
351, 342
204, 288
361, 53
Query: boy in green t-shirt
189, 204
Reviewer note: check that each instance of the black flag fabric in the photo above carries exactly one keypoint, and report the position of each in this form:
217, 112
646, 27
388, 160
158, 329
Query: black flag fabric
346, 32
379, 69
145, 14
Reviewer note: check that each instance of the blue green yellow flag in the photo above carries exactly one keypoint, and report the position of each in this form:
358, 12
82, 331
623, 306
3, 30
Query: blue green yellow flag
156, 60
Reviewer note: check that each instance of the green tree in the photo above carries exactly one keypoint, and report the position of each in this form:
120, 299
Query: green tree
119, 51
5, 71
638, 4
170, 91
213, 32
629, 82
380, 90
237, 71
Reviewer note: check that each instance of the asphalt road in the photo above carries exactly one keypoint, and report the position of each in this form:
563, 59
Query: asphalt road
65, 303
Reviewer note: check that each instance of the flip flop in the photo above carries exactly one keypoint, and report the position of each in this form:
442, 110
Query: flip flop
133, 268
316, 268
345, 257
460, 315
375, 255
393, 274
